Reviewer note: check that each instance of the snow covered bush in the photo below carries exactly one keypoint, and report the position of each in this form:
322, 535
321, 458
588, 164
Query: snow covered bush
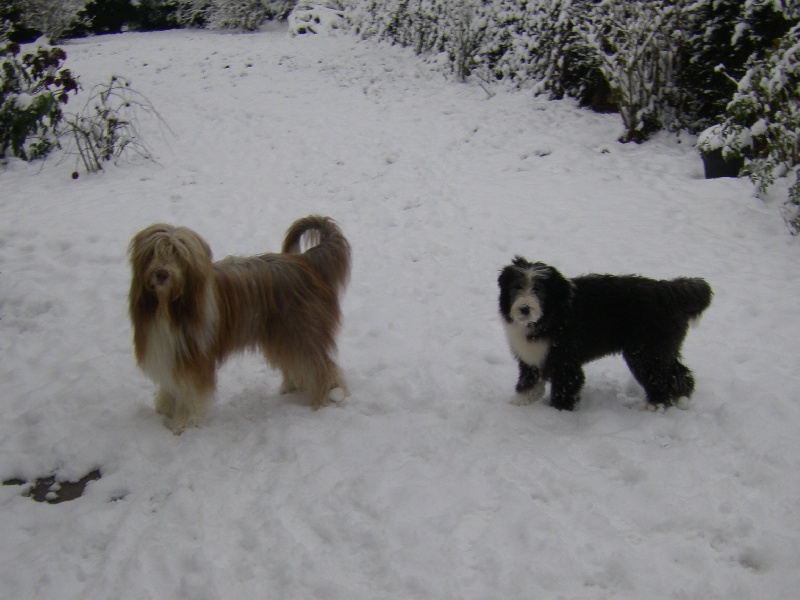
637, 45
464, 28
411, 23
536, 43
32, 89
83, 17
791, 213
762, 120
766, 106
52, 18
427, 26
731, 140
241, 15
722, 39
108, 125
8, 18
502, 20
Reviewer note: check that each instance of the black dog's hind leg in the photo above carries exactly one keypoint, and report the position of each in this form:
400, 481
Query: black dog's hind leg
664, 381
530, 385
565, 387
682, 380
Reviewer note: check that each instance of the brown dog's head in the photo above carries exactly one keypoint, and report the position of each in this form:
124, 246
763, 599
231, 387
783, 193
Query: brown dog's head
171, 268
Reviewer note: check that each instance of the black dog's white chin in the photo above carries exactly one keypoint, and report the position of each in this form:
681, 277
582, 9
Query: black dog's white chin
526, 311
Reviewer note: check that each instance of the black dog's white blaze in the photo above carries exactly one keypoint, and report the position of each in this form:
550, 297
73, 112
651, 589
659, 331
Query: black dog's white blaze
525, 311
524, 308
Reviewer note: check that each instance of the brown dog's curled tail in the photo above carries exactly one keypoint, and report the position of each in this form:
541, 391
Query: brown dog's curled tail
329, 250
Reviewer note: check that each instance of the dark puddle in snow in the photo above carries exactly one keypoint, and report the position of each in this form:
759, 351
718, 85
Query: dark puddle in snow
52, 491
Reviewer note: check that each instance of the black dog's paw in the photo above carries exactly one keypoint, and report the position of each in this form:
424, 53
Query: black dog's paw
529, 395
564, 403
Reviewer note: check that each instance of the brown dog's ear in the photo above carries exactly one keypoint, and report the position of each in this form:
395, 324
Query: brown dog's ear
191, 245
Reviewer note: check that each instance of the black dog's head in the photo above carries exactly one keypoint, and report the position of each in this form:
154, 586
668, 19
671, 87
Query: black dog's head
530, 292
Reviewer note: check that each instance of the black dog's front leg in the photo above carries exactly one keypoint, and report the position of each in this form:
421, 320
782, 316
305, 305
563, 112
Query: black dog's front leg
530, 386
565, 387
528, 377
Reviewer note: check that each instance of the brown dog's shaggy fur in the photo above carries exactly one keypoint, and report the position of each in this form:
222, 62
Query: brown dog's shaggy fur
189, 313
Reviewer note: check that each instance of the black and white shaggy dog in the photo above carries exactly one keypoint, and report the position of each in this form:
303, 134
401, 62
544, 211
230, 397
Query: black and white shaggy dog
555, 325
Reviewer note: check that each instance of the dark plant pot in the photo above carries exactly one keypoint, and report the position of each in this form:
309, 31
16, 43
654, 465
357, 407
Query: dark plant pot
717, 166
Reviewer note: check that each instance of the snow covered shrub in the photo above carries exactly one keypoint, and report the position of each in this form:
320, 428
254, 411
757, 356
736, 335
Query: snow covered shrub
107, 127
729, 139
409, 23
653, 60
710, 43
791, 213
766, 108
395, 21
720, 38
307, 17
530, 42
9, 16
360, 18
719, 147
107, 16
32, 89
502, 19
637, 45
566, 64
762, 121
52, 18
241, 15
96, 17
191, 13
454, 29
416, 24
464, 28
152, 15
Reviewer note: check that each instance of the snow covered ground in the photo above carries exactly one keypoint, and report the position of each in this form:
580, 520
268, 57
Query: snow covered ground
425, 483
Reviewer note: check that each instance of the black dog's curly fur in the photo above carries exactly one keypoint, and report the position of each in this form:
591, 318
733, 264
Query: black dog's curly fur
555, 325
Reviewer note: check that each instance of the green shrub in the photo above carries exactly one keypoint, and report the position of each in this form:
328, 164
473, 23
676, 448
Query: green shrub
33, 87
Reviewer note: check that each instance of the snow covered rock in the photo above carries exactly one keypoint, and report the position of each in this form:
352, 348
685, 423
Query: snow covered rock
307, 17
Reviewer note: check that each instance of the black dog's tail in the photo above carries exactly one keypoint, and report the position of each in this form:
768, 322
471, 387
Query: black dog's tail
329, 250
692, 294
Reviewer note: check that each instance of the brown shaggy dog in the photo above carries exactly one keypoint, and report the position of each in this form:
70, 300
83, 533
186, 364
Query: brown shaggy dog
189, 313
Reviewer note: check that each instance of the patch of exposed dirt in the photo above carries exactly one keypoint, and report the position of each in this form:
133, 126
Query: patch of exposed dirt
50, 490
